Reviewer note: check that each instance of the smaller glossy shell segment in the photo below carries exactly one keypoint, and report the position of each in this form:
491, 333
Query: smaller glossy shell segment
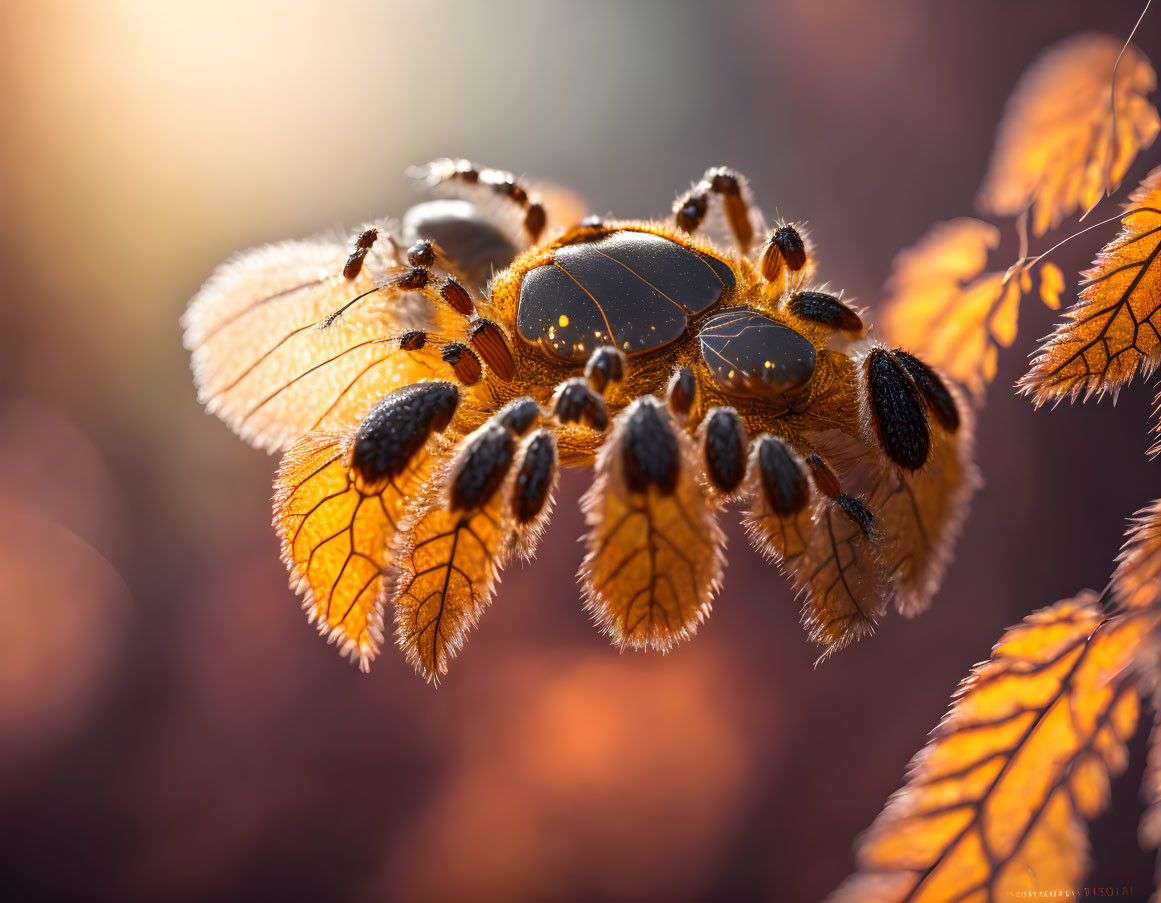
632, 290
473, 245
752, 356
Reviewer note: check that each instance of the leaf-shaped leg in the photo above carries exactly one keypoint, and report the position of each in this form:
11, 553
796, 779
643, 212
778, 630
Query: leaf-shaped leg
512, 207
338, 501
263, 359
654, 556
822, 539
492, 499
919, 514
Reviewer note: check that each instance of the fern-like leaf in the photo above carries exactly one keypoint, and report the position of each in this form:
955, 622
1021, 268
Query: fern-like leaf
1061, 145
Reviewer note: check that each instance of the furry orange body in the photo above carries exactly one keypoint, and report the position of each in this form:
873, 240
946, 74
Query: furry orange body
423, 426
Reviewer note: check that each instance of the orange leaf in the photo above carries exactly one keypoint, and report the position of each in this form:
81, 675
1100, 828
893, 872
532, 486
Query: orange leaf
942, 307
1136, 585
1055, 151
1136, 589
994, 804
1051, 285
1111, 333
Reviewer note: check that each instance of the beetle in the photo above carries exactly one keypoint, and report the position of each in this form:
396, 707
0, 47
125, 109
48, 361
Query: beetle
427, 379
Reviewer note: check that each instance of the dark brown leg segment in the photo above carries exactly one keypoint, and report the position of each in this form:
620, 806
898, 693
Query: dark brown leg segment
488, 341
606, 365
535, 476
828, 484
399, 425
363, 244
691, 208
782, 478
682, 391
826, 309
574, 401
936, 396
415, 279
503, 184
723, 441
897, 409
463, 361
784, 252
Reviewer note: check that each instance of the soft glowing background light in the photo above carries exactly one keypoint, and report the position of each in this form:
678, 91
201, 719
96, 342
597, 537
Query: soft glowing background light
185, 732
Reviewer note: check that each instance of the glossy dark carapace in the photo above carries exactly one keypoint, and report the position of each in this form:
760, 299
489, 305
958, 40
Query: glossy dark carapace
476, 245
429, 378
633, 290
751, 355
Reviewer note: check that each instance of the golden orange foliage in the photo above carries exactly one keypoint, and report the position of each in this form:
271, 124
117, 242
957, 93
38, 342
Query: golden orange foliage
1111, 333
447, 559
1051, 284
1136, 589
943, 307
1062, 142
335, 531
1136, 585
994, 804
654, 557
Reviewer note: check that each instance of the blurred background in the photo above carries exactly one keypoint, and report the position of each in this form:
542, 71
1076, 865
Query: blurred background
171, 728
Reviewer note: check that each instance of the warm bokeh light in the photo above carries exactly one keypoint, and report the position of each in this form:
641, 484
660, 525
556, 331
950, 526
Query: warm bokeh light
586, 756
170, 725
63, 605
64, 610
